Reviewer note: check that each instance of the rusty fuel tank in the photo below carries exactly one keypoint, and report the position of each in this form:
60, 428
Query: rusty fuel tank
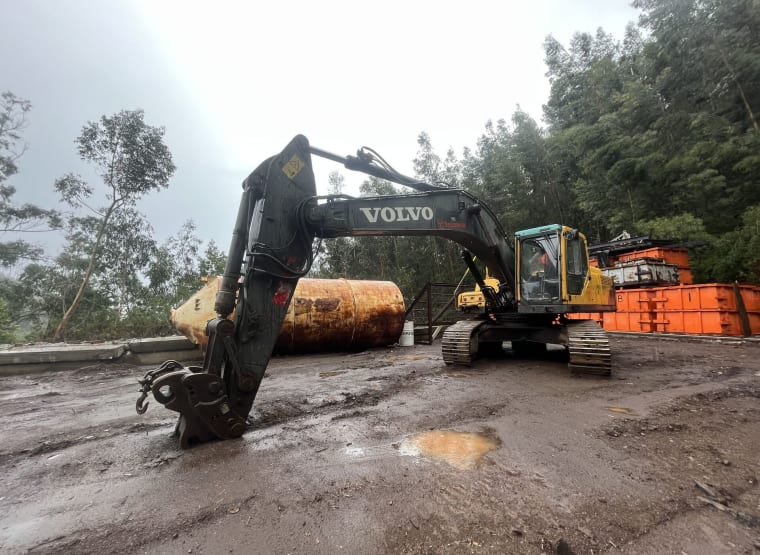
324, 315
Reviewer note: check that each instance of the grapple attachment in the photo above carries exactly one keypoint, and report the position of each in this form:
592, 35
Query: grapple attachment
198, 397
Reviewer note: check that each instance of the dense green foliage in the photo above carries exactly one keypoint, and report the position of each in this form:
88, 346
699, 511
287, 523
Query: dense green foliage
656, 133
133, 288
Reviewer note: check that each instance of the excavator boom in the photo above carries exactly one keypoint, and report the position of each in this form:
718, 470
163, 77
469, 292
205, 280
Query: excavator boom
452, 214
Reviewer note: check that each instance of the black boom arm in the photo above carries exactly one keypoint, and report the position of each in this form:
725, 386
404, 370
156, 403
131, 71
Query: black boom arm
449, 213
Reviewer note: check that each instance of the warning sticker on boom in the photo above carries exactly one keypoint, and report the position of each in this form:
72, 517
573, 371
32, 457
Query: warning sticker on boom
293, 167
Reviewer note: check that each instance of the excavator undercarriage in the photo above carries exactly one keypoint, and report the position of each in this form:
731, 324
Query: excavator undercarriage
586, 343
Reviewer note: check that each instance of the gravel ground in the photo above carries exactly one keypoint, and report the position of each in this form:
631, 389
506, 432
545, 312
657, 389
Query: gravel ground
391, 451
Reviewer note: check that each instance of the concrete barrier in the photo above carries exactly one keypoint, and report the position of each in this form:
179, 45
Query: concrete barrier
26, 359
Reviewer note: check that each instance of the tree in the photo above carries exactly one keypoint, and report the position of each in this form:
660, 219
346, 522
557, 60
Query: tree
175, 269
660, 132
7, 329
734, 255
127, 246
706, 55
335, 183
132, 160
439, 257
213, 261
16, 219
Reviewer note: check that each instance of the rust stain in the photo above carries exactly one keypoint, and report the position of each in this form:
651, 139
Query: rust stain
302, 306
324, 314
462, 450
326, 304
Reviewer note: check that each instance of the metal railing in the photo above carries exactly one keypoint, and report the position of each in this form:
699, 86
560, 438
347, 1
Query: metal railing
433, 307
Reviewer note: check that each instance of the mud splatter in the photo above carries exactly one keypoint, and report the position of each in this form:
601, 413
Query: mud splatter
332, 373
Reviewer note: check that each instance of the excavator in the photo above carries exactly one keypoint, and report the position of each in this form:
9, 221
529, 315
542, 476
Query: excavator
532, 288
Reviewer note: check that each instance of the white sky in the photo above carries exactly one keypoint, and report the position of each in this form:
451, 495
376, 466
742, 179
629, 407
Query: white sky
232, 82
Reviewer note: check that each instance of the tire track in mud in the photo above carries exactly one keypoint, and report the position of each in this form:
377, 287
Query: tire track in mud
490, 510
699, 437
80, 436
347, 403
130, 534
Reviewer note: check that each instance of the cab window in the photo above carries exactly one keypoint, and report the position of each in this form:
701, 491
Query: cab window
539, 262
577, 264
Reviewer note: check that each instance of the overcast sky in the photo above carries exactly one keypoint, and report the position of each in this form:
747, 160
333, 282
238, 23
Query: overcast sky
233, 82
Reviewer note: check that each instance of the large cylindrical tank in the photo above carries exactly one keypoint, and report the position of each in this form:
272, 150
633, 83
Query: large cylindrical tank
324, 314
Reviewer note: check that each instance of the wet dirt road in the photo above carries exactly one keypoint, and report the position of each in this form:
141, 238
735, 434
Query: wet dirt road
391, 451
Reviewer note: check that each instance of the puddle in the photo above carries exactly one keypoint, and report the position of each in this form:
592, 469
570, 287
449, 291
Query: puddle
621, 410
331, 374
460, 449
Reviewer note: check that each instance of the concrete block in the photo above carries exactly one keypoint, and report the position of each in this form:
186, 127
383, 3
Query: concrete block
158, 344
61, 352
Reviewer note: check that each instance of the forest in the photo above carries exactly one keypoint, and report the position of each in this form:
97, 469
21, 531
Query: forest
655, 134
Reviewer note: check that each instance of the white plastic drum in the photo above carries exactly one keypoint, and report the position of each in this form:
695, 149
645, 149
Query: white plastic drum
407, 335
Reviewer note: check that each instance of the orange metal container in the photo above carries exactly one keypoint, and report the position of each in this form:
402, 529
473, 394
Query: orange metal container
704, 322
751, 296
634, 300
324, 314
671, 255
677, 256
708, 309
711, 296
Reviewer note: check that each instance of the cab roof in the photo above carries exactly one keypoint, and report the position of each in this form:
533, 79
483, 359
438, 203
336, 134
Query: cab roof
538, 230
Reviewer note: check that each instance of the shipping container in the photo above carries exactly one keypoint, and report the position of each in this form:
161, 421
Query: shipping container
707, 309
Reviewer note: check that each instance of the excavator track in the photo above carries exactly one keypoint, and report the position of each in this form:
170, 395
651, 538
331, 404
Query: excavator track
460, 342
589, 348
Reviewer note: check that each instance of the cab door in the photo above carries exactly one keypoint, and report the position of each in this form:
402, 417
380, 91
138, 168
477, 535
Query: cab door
575, 267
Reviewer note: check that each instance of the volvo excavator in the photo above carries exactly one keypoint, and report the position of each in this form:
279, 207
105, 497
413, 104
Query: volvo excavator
535, 287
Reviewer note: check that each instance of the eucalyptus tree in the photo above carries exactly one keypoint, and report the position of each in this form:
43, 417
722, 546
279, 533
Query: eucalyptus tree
132, 160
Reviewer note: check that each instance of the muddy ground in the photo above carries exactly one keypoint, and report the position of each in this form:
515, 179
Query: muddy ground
333, 461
